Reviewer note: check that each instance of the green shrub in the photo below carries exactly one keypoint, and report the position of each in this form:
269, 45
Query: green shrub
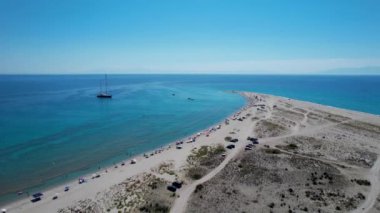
219, 149
292, 146
196, 173
272, 151
228, 138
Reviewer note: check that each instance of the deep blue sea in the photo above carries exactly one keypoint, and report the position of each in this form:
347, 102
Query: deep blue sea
53, 128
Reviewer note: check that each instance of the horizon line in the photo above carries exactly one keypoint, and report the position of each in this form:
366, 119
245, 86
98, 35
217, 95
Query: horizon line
163, 73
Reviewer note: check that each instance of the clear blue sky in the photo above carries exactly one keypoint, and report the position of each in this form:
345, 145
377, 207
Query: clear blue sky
200, 36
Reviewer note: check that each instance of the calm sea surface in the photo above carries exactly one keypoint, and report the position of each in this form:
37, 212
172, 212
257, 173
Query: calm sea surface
53, 128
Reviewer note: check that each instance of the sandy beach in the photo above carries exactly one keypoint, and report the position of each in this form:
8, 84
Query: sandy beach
309, 157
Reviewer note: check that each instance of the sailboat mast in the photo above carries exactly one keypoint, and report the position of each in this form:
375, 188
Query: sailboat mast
106, 83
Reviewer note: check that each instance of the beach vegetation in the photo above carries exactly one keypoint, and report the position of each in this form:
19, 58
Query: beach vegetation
272, 151
292, 146
204, 159
255, 118
361, 182
203, 151
198, 188
219, 149
196, 173
166, 167
228, 138
157, 207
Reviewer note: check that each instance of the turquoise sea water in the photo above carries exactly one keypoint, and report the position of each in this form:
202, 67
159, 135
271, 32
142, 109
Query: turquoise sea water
53, 128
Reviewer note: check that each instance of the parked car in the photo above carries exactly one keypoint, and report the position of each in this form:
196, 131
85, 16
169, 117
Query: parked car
38, 194
172, 188
36, 199
231, 146
177, 184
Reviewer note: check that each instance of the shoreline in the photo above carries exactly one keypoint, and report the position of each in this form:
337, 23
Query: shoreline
168, 152
111, 167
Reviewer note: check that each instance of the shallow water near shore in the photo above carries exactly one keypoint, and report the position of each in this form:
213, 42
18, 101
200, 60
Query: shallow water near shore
53, 128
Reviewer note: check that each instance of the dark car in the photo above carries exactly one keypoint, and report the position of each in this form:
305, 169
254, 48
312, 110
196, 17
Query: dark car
177, 184
38, 194
252, 139
234, 140
172, 188
231, 146
36, 199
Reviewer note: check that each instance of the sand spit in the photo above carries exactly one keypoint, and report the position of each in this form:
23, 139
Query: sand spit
310, 158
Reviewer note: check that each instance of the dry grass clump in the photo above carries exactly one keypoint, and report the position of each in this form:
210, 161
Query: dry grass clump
267, 128
166, 167
201, 161
272, 151
144, 193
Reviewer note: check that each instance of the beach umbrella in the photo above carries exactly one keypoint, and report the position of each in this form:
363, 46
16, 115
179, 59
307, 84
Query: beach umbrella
3, 210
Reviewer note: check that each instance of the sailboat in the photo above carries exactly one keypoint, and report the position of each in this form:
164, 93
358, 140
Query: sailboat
104, 94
